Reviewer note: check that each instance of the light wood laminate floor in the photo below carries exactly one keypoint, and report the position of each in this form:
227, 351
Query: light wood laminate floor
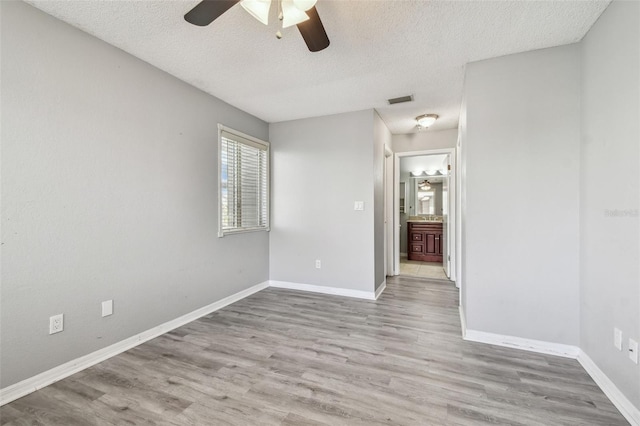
291, 358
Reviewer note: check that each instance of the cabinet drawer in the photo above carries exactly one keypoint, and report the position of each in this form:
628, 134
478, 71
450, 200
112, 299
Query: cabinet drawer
417, 248
422, 227
416, 237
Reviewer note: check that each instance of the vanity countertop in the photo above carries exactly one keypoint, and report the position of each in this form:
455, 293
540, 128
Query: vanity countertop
423, 221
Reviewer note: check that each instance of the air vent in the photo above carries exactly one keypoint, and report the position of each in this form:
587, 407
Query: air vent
401, 99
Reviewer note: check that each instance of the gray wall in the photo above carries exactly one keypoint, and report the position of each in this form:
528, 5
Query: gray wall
381, 137
109, 181
426, 139
521, 265
610, 180
320, 167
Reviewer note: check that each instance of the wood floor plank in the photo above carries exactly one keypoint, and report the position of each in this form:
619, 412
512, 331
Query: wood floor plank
284, 357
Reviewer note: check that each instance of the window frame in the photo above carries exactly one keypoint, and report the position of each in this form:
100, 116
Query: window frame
267, 227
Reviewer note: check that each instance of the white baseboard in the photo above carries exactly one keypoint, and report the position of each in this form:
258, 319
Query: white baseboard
359, 294
380, 289
539, 346
32, 384
25, 387
463, 321
628, 410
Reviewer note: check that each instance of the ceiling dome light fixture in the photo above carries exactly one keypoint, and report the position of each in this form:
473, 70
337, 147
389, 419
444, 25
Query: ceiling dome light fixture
426, 120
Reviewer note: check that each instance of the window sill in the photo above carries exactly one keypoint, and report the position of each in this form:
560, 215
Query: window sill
241, 231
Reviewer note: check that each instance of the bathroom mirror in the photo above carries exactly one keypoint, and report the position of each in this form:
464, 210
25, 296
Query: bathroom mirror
427, 196
421, 182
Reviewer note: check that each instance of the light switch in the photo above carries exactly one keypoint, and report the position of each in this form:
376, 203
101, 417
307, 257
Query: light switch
617, 339
359, 205
107, 308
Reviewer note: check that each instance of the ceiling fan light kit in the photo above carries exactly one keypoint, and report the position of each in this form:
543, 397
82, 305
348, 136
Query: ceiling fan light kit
426, 120
290, 12
259, 9
304, 5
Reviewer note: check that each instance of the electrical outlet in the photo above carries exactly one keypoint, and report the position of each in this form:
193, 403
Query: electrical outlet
617, 338
318, 264
56, 323
107, 308
358, 205
633, 350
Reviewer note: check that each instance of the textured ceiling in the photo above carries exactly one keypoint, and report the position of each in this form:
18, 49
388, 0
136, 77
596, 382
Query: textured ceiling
379, 50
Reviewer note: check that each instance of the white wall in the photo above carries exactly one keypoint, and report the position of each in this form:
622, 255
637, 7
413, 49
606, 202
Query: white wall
521, 259
424, 140
610, 181
381, 137
109, 177
320, 167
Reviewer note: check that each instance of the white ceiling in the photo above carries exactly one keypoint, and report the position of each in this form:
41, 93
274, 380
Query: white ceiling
379, 50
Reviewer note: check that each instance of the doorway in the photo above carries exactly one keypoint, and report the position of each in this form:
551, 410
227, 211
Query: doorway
424, 214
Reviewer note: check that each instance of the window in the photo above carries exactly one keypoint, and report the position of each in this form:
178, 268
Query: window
244, 182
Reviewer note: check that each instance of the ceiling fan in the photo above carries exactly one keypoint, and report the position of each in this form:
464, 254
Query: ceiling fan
301, 13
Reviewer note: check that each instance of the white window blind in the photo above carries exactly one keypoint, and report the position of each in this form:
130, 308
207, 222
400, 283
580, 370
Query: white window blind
244, 183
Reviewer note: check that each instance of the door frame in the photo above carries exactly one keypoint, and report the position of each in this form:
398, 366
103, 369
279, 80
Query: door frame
453, 217
388, 176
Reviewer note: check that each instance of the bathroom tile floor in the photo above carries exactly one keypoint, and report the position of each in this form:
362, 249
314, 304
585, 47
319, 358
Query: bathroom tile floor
422, 269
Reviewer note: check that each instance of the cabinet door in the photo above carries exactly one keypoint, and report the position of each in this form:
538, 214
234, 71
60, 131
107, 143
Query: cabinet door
430, 243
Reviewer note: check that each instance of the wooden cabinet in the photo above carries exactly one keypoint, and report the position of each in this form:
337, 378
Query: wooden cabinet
425, 241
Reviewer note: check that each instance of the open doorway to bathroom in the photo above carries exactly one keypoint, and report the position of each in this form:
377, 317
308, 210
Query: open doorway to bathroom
425, 210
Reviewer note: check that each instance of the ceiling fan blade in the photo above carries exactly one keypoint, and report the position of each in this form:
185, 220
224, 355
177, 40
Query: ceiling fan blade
208, 11
313, 31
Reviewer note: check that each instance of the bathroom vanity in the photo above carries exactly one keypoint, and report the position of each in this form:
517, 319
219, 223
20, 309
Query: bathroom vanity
425, 240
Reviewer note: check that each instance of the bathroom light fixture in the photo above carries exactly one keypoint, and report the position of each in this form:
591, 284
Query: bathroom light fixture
427, 174
426, 120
